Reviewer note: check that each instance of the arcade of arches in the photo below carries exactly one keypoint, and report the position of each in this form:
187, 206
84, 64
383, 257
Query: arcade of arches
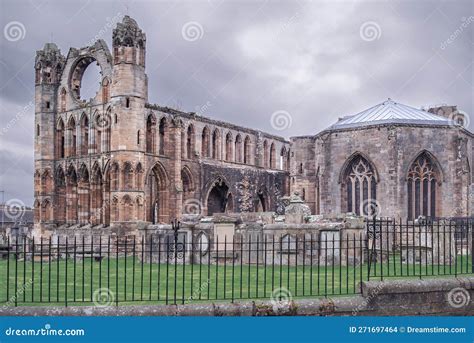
125, 192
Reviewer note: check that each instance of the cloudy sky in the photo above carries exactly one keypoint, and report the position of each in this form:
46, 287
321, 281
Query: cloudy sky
242, 61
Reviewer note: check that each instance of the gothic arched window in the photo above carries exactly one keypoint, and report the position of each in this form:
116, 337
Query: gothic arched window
238, 149
71, 131
283, 161
150, 134
62, 100
272, 161
127, 176
60, 139
360, 187
228, 147
163, 128
216, 142
114, 176
190, 142
205, 142
84, 135
421, 187
247, 150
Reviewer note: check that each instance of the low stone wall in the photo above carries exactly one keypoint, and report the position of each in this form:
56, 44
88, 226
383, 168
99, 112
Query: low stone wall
447, 296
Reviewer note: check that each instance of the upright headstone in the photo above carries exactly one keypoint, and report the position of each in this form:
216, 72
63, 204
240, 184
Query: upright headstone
224, 230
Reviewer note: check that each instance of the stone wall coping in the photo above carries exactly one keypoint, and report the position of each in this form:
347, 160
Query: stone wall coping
407, 297
321, 226
425, 285
222, 218
207, 120
316, 306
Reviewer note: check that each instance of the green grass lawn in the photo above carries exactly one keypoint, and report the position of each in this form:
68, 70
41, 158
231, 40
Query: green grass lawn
75, 284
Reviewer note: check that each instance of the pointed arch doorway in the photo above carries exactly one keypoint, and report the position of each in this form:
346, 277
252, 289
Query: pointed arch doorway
218, 198
157, 195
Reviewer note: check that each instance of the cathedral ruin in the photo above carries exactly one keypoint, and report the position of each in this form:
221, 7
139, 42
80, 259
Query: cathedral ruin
118, 160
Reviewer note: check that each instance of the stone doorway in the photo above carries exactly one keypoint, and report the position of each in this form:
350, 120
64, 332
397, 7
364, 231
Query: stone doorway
217, 199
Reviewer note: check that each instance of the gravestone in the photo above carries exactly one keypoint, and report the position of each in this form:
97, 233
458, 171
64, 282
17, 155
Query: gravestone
329, 247
428, 244
224, 231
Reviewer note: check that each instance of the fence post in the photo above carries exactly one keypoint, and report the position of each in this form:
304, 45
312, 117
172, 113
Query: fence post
116, 270
151, 265
41, 269
65, 277
74, 266
233, 268
370, 250
225, 267
184, 271
49, 270
16, 271
24, 270
8, 269
32, 269
472, 244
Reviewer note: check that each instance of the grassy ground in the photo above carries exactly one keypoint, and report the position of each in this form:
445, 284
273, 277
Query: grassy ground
75, 284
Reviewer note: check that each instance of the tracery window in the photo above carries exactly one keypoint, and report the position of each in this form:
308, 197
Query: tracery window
421, 187
361, 187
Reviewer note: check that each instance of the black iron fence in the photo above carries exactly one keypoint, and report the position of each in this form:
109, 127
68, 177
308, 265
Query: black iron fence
426, 247
182, 266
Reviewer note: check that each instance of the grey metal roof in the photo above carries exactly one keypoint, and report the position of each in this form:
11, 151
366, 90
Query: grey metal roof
391, 112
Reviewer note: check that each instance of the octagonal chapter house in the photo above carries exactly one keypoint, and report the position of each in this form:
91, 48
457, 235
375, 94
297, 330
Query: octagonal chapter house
389, 160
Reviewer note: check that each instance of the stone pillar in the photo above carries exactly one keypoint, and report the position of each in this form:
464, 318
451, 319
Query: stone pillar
259, 162
329, 202
388, 200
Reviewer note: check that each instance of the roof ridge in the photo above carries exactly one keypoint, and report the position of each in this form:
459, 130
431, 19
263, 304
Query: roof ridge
425, 112
355, 114
390, 110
